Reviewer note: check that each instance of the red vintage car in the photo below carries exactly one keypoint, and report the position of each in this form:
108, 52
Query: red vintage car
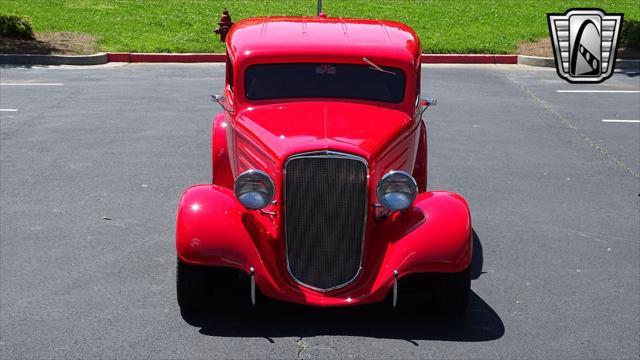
319, 191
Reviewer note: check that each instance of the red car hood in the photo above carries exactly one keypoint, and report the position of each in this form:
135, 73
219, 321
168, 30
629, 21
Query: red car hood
288, 128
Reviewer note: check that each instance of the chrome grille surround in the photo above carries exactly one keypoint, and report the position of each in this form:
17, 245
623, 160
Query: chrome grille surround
325, 154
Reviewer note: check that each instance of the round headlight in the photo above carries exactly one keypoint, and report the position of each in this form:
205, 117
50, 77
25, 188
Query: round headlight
397, 190
254, 189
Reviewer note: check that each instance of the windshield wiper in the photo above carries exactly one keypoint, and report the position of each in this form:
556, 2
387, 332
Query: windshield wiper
376, 67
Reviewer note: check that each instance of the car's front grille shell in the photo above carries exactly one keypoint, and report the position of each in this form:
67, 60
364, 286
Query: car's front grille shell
325, 212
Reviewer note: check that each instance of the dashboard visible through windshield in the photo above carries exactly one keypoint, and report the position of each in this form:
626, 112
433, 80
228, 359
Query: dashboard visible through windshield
347, 81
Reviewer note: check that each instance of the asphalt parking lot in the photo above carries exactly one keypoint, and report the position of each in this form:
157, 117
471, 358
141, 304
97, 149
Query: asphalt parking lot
553, 189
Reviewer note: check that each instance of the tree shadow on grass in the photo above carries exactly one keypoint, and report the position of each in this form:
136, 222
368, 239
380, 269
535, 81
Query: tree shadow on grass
273, 319
49, 43
10, 45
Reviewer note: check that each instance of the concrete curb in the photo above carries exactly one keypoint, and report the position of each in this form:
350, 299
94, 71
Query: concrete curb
102, 58
621, 64
536, 61
32, 59
628, 64
164, 58
469, 59
426, 58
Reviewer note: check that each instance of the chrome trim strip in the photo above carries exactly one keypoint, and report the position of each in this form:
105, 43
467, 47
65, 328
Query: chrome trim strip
324, 154
253, 286
395, 287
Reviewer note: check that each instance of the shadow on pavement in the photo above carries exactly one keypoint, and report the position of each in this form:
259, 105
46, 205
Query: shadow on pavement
480, 323
272, 319
15, 66
630, 71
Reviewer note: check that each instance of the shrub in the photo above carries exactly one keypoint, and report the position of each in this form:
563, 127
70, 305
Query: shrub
630, 34
16, 26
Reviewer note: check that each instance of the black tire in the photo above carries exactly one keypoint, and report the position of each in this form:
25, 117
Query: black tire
439, 294
205, 288
191, 286
451, 292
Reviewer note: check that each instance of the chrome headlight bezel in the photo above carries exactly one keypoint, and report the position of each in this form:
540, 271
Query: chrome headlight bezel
400, 183
255, 182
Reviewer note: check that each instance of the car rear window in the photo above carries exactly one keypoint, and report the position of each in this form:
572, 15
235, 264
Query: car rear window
278, 81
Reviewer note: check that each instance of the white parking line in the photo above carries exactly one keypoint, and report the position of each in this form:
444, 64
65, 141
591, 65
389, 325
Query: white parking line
12, 110
620, 121
31, 84
601, 91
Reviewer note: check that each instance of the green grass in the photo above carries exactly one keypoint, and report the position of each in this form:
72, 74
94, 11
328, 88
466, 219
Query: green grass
445, 26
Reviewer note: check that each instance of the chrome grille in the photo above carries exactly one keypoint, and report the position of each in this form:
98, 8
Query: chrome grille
325, 210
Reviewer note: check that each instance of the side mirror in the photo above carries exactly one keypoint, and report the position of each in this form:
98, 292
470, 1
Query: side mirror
426, 102
221, 101
429, 102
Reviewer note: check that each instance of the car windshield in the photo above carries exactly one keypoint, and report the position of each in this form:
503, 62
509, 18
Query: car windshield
278, 81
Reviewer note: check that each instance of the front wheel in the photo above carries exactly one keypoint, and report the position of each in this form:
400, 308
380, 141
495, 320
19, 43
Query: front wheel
451, 292
435, 293
202, 288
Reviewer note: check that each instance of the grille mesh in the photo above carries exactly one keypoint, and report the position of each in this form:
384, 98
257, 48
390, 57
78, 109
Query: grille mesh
325, 212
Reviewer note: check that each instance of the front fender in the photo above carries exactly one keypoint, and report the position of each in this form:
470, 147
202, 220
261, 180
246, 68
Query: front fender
434, 235
214, 229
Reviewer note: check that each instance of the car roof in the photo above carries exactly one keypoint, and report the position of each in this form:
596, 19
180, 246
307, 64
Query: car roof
300, 38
